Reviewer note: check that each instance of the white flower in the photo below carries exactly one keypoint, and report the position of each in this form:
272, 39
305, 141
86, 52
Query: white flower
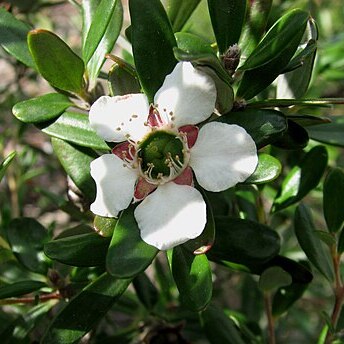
160, 145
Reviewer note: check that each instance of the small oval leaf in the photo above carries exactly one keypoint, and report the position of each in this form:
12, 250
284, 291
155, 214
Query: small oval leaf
20, 288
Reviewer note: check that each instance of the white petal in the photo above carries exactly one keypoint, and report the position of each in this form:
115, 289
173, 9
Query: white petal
115, 117
115, 185
223, 156
189, 93
171, 215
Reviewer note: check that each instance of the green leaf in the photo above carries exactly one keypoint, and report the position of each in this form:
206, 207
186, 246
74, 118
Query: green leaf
75, 128
80, 315
308, 120
265, 126
192, 275
268, 169
104, 225
285, 297
255, 25
5, 163
227, 17
218, 327
302, 178
296, 137
43, 108
27, 237
128, 254
310, 243
121, 80
340, 245
87, 249
13, 38
76, 162
20, 288
272, 54
179, 11
146, 291
153, 41
278, 39
231, 242
56, 62
331, 133
274, 278
333, 201
103, 20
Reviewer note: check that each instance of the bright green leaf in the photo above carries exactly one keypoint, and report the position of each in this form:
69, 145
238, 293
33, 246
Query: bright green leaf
333, 200
179, 11
310, 243
104, 225
76, 162
192, 275
43, 108
227, 17
302, 178
13, 38
128, 254
75, 128
5, 163
56, 62
153, 41
80, 315
268, 169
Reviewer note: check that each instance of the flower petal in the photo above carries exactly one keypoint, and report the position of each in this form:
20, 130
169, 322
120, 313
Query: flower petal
114, 118
188, 93
223, 156
115, 185
171, 215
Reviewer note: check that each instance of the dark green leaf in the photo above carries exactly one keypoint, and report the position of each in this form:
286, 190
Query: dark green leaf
153, 41
74, 127
218, 327
308, 120
43, 108
128, 254
57, 63
76, 162
121, 81
265, 126
20, 288
302, 179
102, 34
27, 237
5, 163
272, 54
79, 250
296, 137
104, 225
179, 11
268, 169
278, 39
227, 17
340, 245
286, 296
231, 242
146, 291
310, 243
333, 201
85, 310
274, 278
192, 275
255, 25
13, 38
102, 20
331, 133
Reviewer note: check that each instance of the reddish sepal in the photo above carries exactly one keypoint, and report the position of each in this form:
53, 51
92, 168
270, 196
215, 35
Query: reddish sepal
191, 132
143, 189
125, 151
186, 178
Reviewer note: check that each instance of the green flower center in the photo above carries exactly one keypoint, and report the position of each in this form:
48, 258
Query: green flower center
161, 154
